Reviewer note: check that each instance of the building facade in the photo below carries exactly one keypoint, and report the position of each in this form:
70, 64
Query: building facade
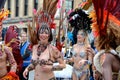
21, 11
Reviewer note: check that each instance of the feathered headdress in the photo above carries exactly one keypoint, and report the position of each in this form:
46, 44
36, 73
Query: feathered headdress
106, 29
80, 21
44, 16
106, 23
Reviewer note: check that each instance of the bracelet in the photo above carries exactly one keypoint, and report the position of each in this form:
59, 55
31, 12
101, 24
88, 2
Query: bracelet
29, 68
88, 62
55, 68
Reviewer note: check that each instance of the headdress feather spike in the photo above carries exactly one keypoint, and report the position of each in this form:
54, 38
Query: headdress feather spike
106, 12
44, 16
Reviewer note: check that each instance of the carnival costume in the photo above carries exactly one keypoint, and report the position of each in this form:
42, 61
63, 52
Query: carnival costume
106, 29
43, 20
44, 17
79, 20
3, 15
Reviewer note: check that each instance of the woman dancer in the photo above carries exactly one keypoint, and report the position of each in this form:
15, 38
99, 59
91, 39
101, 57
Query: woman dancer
82, 52
44, 54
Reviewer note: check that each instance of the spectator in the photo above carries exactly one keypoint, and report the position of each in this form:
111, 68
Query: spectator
25, 51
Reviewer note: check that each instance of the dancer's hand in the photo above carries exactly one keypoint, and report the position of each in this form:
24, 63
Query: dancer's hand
90, 51
82, 62
25, 73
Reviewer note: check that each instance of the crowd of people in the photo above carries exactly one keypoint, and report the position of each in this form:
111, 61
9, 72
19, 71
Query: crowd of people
31, 49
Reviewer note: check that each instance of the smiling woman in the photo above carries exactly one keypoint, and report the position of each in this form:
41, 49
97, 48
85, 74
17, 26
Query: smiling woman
82, 51
43, 53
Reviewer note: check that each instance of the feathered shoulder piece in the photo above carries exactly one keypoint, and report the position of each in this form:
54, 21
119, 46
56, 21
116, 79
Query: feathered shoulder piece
44, 16
12, 41
106, 28
80, 20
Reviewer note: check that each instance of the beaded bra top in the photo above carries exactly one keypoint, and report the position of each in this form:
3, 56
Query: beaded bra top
41, 48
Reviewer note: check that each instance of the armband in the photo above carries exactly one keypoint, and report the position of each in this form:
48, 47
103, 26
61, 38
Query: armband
88, 62
56, 68
30, 67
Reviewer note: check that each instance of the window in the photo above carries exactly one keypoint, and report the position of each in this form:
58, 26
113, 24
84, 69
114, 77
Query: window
68, 5
36, 4
17, 8
26, 7
9, 8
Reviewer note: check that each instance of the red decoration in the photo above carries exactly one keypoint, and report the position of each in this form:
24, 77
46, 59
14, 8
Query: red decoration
53, 26
59, 45
11, 40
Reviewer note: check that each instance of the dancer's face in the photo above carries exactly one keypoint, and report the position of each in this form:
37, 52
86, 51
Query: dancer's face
44, 35
81, 36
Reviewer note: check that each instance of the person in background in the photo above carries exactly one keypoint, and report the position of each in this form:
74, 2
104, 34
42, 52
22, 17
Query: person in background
82, 57
24, 51
82, 51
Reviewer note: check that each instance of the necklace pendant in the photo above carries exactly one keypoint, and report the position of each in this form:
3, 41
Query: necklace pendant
38, 53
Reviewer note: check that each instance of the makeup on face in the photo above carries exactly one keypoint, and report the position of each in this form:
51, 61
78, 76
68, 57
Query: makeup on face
44, 33
81, 33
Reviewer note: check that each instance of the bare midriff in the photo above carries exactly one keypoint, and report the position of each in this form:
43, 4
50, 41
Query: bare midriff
3, 65
41, 74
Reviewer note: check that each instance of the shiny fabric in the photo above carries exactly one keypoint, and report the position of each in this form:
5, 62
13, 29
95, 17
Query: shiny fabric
80, 73
10, 76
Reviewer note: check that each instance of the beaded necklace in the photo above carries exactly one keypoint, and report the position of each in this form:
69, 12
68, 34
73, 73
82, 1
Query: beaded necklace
41, 48
80, 44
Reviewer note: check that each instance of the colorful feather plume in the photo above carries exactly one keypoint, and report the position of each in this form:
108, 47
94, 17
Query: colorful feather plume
11, 40
79, 20
43, 16
106, 10
106, 23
